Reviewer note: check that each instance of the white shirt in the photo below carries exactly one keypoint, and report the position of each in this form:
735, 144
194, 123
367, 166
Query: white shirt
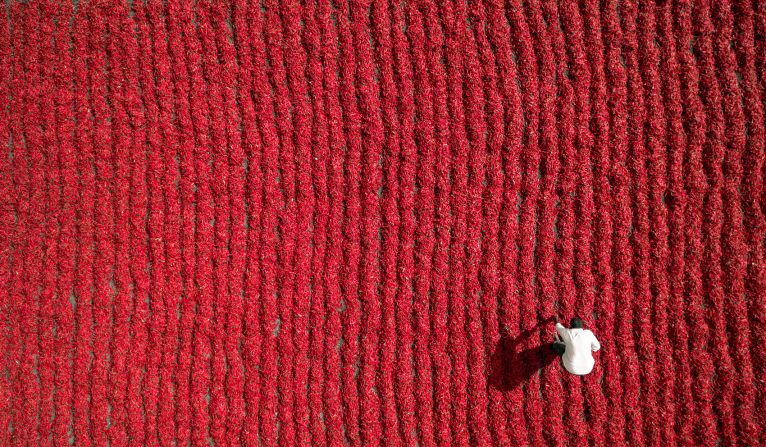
580, 343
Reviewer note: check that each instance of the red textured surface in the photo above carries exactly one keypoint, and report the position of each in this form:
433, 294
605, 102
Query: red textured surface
308, 223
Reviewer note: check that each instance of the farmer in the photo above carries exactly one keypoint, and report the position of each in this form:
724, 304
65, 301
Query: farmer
575, 347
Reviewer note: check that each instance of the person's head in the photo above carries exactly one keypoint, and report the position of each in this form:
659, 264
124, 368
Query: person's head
576, 323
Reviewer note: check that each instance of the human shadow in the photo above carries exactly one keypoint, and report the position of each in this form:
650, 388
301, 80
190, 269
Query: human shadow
511, 365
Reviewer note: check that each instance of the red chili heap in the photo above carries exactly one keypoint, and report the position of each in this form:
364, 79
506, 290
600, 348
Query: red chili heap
352, 222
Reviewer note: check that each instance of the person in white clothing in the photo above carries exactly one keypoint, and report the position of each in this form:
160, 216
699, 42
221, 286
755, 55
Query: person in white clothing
576, 346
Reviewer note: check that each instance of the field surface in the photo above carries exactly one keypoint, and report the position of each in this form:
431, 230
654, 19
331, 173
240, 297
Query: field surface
353, 222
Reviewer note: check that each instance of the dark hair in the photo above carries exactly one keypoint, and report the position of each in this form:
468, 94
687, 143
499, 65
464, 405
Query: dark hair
576, 323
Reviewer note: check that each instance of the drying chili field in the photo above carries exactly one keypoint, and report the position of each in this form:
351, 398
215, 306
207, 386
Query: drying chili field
353, 222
